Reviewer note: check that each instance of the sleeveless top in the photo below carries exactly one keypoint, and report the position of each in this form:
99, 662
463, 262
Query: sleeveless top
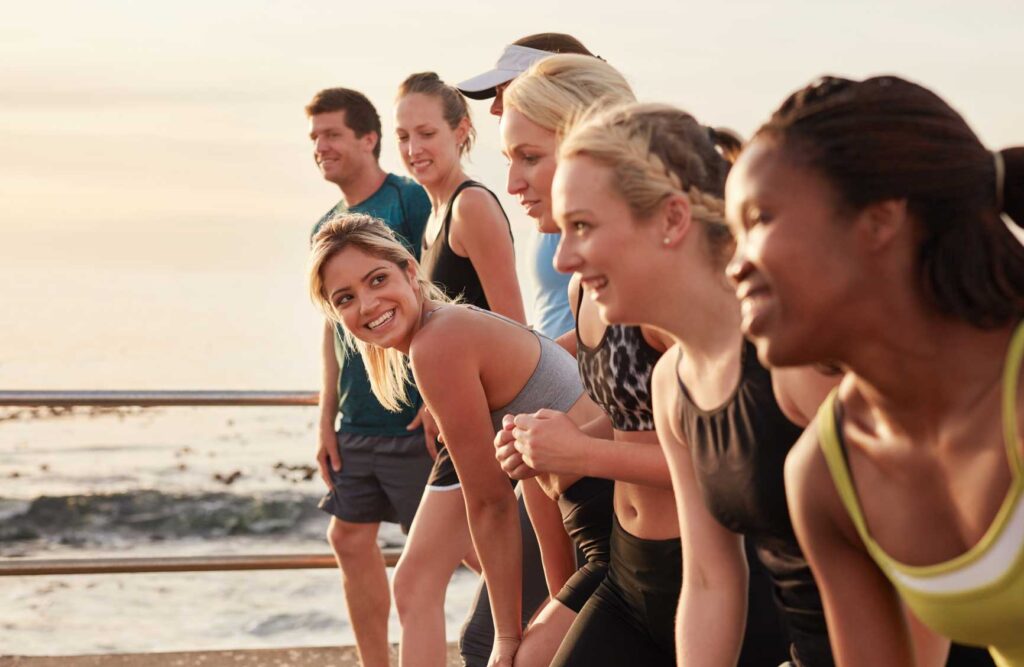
586, 506
454, 274
551, 313
617, 374
739, 450
977, 597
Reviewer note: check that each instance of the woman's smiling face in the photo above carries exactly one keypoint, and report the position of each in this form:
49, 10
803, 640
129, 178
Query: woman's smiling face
375, 299
794, 269
602, 241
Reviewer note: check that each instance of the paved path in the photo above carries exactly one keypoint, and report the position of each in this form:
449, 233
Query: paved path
285, 657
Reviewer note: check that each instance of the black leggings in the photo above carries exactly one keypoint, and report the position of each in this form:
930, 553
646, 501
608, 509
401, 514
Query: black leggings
630, 619
478, 631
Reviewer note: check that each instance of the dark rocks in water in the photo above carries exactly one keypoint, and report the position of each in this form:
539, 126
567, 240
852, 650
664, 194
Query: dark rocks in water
57, 411
9, 532
228, 479
154, 515
295, 473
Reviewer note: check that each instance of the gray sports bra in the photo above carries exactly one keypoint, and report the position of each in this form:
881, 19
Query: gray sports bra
554, 384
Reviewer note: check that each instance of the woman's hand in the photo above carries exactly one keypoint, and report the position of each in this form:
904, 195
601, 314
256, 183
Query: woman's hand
504, 651
548, 442
509, 458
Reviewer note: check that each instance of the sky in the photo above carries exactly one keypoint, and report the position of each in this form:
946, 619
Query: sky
156, 179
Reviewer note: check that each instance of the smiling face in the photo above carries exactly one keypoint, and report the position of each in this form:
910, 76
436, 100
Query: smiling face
530, 150
794, 269
376, 300
429, 147
338, 152
602, 241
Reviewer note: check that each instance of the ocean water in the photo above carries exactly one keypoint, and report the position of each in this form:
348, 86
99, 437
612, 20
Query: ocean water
162, 302
170, 481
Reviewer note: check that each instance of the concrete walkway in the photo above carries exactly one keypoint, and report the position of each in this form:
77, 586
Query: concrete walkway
285, 657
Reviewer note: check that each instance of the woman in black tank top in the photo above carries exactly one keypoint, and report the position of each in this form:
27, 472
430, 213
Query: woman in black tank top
454, 273
468, 253
658, 258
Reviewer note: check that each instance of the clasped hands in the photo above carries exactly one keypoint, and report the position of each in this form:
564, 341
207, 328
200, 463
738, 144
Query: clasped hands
539, 442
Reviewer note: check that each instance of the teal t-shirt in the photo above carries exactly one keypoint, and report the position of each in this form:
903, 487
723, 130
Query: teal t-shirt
404, 206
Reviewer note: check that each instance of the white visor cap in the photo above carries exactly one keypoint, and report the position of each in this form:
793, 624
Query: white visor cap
514, 61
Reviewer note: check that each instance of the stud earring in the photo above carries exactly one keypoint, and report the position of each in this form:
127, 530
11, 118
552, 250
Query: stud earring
665, 241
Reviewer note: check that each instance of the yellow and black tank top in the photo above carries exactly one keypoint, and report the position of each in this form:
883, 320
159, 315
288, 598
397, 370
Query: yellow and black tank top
977, 597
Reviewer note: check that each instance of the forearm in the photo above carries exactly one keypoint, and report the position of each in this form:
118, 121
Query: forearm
599, 427
494, 526
625, 461
328, 381
710, 623
557, 551
508, 303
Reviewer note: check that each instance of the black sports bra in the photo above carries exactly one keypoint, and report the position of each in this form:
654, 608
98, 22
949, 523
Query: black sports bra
617, 375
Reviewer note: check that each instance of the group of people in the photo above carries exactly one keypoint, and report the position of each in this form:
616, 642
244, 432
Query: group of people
765, 411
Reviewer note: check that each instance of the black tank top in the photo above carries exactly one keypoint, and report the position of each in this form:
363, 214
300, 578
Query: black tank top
617, 374
739, 450
454, 274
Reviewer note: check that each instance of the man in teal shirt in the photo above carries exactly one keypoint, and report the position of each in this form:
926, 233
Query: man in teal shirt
375, 462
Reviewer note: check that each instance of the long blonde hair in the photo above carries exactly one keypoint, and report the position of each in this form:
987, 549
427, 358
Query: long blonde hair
557, 88
656, 150
387, 368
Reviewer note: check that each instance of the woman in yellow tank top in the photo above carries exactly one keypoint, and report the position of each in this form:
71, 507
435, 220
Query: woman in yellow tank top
874, 234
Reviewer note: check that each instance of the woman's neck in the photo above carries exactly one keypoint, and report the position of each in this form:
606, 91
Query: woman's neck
440, 192
703, 315
915, 368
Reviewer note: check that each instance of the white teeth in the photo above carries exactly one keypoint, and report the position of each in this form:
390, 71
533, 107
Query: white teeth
381, 320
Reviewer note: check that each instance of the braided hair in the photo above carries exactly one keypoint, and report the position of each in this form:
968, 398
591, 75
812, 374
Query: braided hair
655, 151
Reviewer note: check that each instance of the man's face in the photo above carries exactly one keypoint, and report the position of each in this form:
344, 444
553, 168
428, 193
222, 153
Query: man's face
339, 153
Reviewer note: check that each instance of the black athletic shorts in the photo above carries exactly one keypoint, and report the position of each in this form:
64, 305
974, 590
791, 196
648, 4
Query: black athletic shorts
381, 479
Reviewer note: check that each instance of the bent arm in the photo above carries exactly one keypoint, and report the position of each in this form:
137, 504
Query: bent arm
479, 226
711, 619
866, 623
630, 461
550, 442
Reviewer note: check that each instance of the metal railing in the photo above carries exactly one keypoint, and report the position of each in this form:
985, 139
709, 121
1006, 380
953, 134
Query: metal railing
124, 399
10, 567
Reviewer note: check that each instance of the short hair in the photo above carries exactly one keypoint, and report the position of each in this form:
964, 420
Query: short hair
360, 115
